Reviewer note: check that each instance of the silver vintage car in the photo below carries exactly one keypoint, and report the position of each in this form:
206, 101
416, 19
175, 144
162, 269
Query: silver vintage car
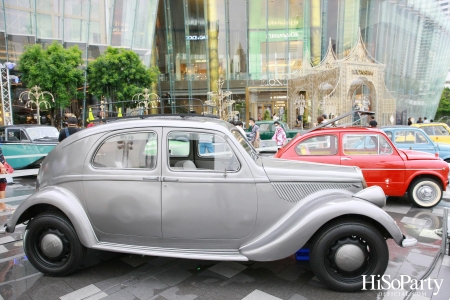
193, 187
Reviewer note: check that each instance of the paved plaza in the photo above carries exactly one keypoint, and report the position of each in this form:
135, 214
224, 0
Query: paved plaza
119, 276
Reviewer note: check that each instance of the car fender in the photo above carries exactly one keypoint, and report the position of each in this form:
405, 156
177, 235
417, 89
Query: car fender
443, 180
293, 232
64, 201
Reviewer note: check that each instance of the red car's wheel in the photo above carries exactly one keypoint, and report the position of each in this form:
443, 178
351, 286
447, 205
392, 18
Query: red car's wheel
425, 192
346, 253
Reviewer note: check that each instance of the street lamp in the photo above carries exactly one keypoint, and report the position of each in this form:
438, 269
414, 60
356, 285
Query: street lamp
224, 106
146, 95
39, 98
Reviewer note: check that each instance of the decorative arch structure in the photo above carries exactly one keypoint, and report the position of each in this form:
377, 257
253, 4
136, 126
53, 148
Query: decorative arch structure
329, 86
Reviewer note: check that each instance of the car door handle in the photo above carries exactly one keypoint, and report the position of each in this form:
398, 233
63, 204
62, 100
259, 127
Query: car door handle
346, 158
153, 178
169, 179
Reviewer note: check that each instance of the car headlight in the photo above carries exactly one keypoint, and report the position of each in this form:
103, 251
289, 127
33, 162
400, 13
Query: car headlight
364, 183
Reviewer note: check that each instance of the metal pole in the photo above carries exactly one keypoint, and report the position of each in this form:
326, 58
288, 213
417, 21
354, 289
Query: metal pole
444, 231
38, 112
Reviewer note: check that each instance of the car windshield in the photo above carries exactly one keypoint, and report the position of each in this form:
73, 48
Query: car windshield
245, 144
36, 133
286, 126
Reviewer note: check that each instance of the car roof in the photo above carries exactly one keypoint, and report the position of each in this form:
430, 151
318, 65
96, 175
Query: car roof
346, 128
398, 127
24, 125
428, 124
181, 122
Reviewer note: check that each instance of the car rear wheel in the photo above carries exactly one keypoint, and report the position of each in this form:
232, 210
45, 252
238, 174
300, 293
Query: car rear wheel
344, 251
425, 192
52, 245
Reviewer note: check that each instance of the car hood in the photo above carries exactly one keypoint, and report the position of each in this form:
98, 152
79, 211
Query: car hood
418, 155
290, 170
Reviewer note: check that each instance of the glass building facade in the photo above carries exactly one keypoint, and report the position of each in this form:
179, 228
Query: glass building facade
255, 46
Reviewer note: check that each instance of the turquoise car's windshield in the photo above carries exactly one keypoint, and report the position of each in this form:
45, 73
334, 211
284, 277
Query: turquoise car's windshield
36, 133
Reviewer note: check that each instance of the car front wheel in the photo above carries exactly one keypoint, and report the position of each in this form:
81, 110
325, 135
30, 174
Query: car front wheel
348, 253
52, 245
425, 192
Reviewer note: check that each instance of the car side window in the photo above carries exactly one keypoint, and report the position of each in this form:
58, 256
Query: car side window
2, 135
213, 153
318, 145
389, 134
128, 151
420, 138
23, 136
13, 135
440, 130
264, 127
428, 130
364, 144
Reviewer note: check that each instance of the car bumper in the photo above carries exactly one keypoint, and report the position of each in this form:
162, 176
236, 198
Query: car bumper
408, 241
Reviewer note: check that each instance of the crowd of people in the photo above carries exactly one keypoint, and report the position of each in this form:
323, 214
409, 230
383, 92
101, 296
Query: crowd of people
420, 120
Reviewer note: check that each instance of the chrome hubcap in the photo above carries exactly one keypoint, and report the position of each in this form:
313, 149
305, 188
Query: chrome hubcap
349, 257
51, 245
426, 193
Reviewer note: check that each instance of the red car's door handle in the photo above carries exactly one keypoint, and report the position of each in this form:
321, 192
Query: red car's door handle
346, 158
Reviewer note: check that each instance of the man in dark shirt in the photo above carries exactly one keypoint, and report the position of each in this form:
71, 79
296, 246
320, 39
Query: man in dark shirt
69, 130
373, 123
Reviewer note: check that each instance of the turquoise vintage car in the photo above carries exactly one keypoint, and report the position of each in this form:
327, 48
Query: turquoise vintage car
25, 146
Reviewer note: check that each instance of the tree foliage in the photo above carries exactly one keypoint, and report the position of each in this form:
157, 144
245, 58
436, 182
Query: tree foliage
444, 104
119, 74
54, 69
267, 115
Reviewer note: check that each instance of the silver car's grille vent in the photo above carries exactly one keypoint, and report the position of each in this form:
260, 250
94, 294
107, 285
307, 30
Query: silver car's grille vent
293, 191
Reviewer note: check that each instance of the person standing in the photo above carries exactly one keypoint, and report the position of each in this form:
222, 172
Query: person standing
70, 129
280, 136
373, 123
240, 126
3, 182
419, 121
275, 117
425, 120
205, 143
254, 136
409, 121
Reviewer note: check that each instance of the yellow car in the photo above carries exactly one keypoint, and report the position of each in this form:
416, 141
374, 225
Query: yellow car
438, 132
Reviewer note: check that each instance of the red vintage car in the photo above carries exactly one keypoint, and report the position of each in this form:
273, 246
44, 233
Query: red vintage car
423, 176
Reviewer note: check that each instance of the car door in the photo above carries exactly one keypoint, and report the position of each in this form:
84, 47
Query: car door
265, 132
18, 149
121, 182
209, 192
319, 148
377, 158
414, 140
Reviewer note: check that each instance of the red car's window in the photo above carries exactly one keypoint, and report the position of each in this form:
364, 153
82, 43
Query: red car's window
366, 144
318, 145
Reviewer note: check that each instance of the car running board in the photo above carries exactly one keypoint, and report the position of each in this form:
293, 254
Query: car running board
210, 254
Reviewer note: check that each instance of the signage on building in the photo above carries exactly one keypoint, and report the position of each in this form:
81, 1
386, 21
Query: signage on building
273, 82
362, 72
120, 27
282, 35
195, 37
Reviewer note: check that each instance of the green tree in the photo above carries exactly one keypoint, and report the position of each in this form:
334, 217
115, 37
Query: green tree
119, 74
444, 105
266, 115
55, 70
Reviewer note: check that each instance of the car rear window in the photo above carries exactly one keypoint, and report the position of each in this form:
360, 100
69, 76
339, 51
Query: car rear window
128, 151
